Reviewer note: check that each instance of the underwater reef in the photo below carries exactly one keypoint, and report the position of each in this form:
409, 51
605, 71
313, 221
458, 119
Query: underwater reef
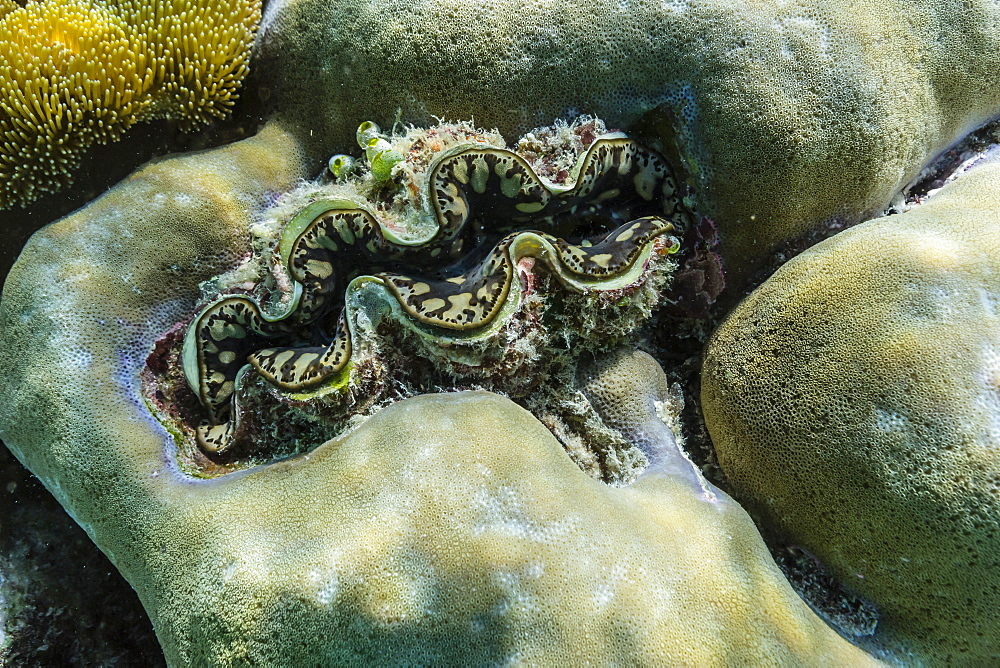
558, 332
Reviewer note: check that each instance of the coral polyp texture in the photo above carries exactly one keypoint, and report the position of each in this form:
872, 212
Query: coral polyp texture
791, 115
348, 394
74, 73
446, 527
853, 403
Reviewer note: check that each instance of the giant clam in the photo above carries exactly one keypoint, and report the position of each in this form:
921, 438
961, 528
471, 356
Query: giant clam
449, 262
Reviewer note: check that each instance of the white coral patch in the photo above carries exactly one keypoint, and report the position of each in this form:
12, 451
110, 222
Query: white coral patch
989, 301
503, 512
940, 303
948, 303
889, 421
803, 32
989, 396
936, 250
606, 588
325, 582
519, 590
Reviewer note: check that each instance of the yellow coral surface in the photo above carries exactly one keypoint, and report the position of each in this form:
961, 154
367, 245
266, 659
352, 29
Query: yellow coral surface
7, 6
78, 72
854, 402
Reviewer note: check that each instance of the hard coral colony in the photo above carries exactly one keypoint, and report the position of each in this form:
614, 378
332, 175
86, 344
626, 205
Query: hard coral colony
74, 73
388, 406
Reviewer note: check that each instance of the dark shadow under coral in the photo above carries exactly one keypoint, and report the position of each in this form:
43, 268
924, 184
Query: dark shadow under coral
66, 603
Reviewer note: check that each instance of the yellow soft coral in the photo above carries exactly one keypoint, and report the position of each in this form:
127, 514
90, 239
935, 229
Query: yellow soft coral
7, 6
78, 72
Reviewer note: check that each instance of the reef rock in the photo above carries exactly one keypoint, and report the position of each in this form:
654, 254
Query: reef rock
853, 400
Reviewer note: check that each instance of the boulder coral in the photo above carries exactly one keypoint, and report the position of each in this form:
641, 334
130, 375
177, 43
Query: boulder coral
790, 115
853, 402
446, 525
74, 73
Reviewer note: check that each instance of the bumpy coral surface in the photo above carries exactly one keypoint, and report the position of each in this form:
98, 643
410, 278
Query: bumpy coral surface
453, 524
448, 525
78, 72
790, 114
853, 400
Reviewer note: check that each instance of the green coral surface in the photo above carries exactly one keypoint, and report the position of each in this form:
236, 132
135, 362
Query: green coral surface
790, 115
854, 402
